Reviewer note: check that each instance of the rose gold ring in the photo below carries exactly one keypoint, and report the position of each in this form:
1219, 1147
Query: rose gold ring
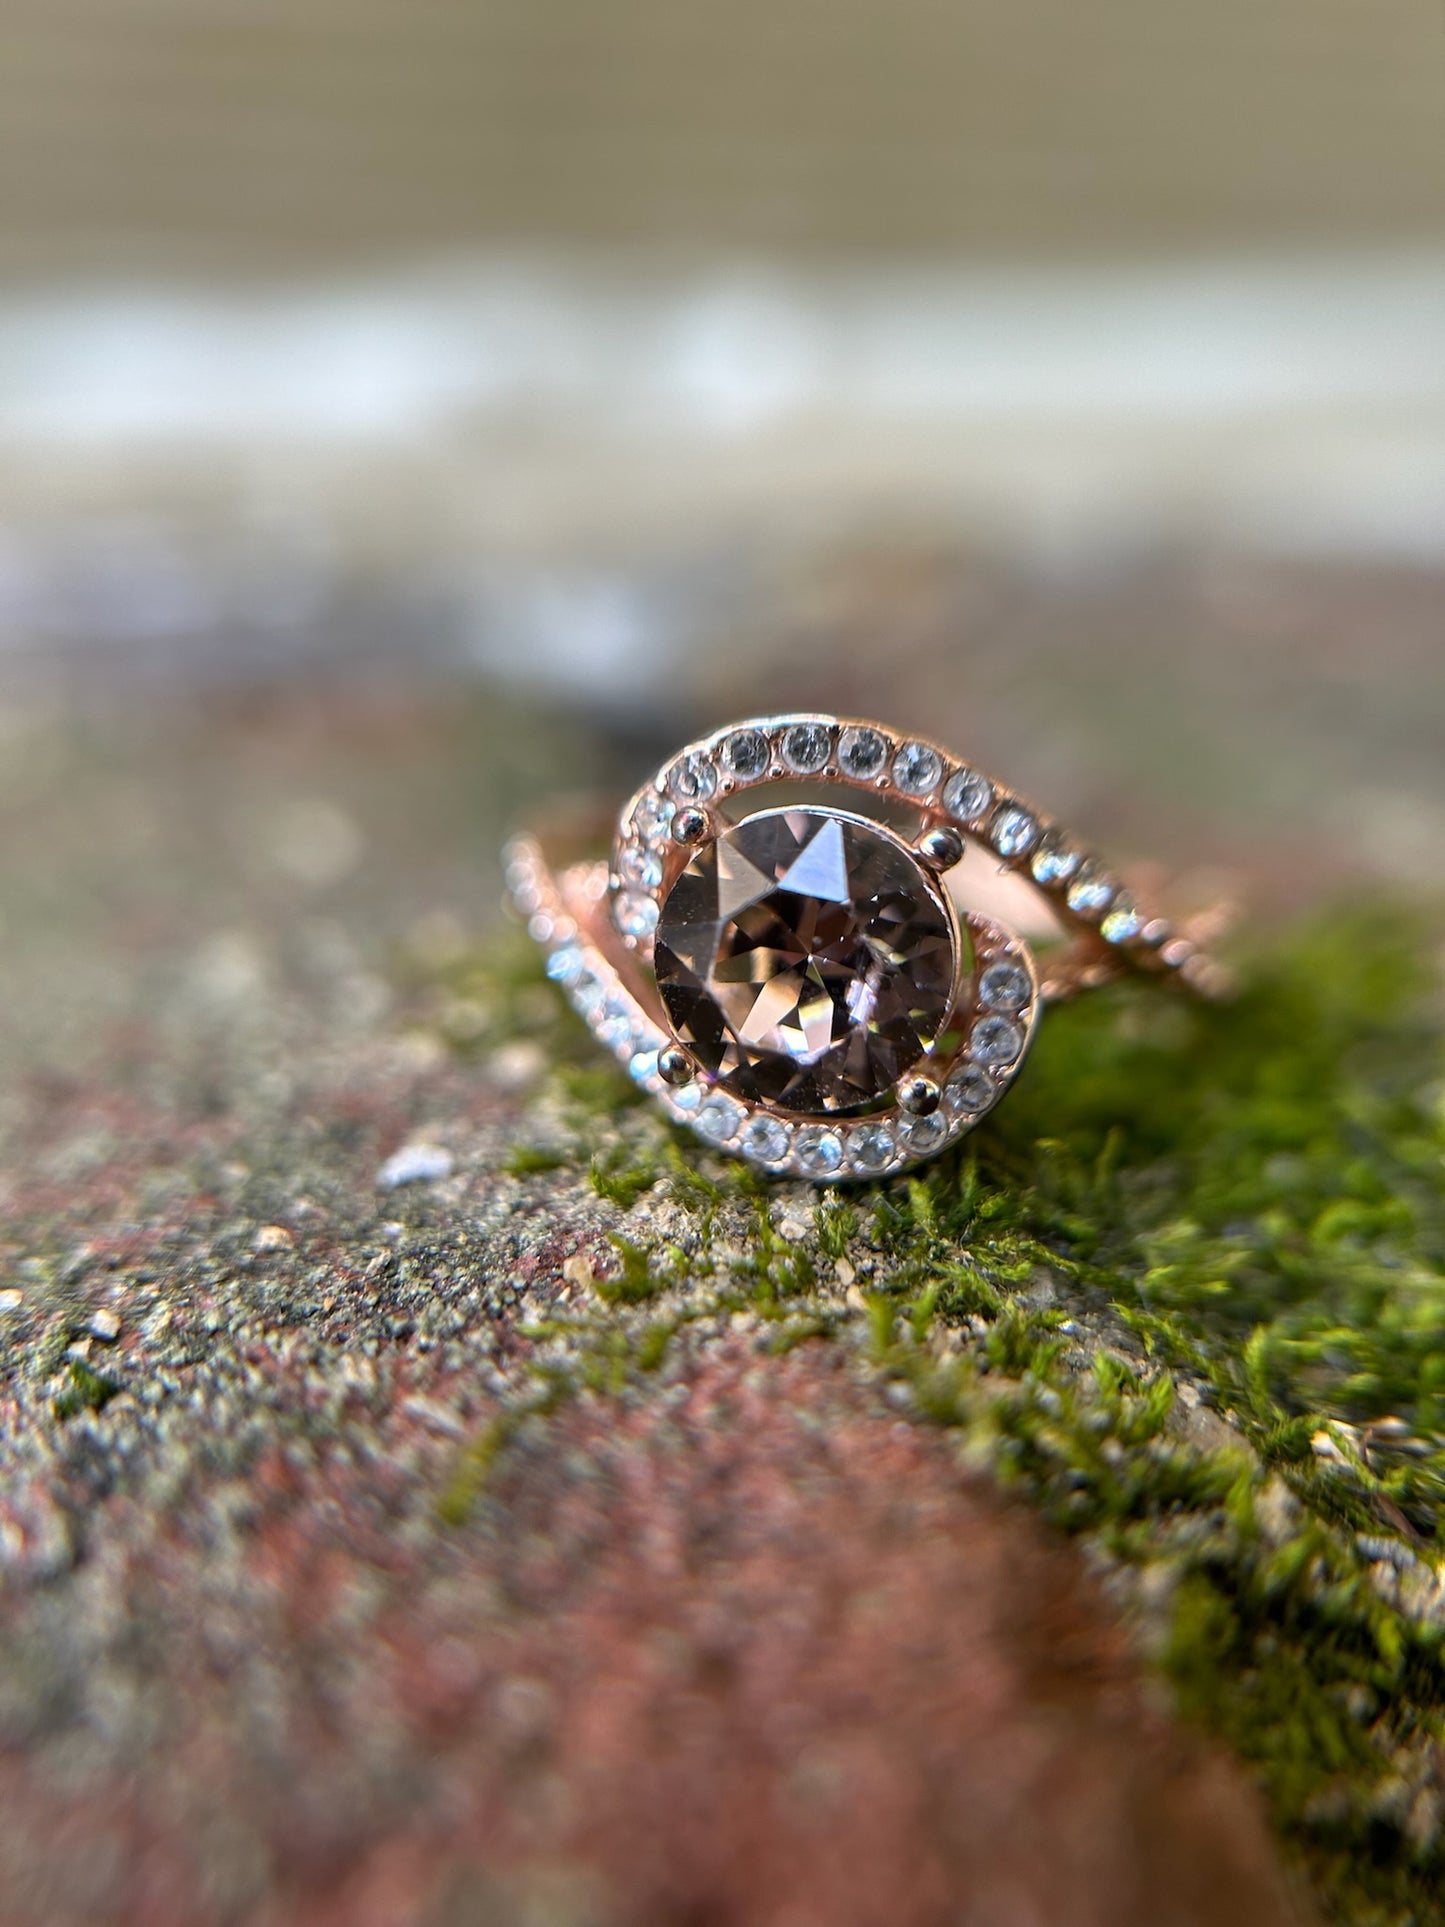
814, 942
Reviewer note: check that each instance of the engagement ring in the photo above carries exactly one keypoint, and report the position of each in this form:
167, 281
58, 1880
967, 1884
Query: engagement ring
804, 947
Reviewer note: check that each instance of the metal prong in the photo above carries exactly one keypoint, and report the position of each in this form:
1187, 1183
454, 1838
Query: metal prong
675, 1067
689, 826
919, 1095
940, 847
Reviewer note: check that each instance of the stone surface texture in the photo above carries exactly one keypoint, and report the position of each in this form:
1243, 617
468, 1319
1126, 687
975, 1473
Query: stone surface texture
362, 1560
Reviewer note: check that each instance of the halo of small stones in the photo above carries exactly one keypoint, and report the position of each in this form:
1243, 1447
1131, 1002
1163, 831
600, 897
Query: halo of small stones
998, 1028
647, 857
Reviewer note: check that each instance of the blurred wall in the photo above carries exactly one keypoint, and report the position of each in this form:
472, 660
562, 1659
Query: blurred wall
244, 134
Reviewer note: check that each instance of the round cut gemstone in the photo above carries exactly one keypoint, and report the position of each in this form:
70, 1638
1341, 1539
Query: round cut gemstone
819, 1151
635, 914
651, 817
862, 752
1055, 862
872, 1149
967, 795
746, 753
1123, 921
995, 1040
917, 768
692, 779
719, 1120
806, 960
922, 1135
641, 865
1004, 986
807, 747
1013, 831
969, 1089
767, 1140
1090, 893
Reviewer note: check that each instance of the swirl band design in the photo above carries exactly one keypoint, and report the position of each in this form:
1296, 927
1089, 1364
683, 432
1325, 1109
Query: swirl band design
774, 951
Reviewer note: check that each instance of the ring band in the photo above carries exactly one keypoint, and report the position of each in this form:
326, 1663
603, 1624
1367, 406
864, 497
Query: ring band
775, 951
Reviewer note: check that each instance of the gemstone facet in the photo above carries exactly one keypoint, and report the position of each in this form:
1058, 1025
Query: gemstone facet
967, 795
807, 747
807, 960
862, 752
917, 768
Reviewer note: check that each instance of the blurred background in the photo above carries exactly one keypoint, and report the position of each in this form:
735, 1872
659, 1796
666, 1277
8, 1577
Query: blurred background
407, 405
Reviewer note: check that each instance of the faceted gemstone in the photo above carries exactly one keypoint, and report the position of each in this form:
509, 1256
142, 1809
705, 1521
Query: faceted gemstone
652, 816
967, 795
995, 1040
1055, 862
566, 965
862, 752
746, 753
1090, 893
634, 914
922, 1135
807, 746
641, 865
692, 779
1122, 922
871, 1149
1013, 831
1004, 986
917, 768
718, 1119
819, 1151
767, 1140
969, 1089
806, 960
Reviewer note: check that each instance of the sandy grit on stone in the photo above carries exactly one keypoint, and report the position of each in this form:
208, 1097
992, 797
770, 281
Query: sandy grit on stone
747, 1651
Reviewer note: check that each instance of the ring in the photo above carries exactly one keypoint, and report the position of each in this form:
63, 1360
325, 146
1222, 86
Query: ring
798, 945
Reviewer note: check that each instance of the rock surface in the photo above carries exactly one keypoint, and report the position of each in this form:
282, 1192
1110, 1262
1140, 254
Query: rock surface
365, 1560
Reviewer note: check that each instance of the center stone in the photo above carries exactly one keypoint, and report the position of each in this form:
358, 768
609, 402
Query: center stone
806, 960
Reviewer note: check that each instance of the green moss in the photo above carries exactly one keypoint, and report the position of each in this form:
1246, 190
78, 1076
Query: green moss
1180, 1212
88, 1391
526, 1160
621, 1177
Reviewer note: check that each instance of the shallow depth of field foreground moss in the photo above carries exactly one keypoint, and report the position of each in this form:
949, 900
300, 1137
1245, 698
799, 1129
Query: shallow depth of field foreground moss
1252, 1199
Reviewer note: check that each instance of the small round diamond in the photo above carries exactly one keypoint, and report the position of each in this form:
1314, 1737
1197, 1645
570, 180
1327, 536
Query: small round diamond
587, 992
871, 1149
718, 1120
1004, 986
922, 1135
1013, 831
641, 865
564, 966
1054, 862
966, 795
969, 1090
862, 753
917, 768
1090, 893
807, 747
635, 914
746, 753
1122, 922
692, 778
617, 1024
995, 1040
651, 817
819, 1151
765, 1139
